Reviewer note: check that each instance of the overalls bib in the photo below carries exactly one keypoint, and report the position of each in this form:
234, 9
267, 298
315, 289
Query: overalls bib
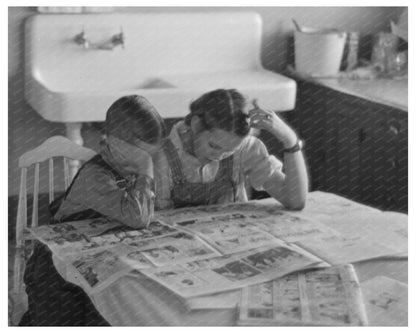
221, 190
88, 213
122, 183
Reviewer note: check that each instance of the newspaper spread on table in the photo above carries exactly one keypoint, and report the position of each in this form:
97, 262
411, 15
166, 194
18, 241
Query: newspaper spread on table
327, 296
204, 250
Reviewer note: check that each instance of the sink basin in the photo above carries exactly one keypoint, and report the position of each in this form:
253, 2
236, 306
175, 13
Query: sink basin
85, 100
171, 59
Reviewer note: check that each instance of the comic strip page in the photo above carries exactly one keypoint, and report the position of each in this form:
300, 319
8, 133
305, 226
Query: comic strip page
72, 238
328, 296
160, 244
229, 233
174, 248
67, 239
232, 232
98, 268
233, 271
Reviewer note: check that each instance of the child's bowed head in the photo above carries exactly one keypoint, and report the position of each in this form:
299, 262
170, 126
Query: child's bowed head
134, 119
135, 132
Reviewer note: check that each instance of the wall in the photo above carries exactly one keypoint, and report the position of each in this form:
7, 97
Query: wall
27, 129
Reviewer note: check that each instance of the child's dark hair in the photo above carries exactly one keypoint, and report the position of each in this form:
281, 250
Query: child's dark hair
222, 109
133, 117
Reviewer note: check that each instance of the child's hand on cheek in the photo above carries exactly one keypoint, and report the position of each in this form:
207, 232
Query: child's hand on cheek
132, 159
271, 122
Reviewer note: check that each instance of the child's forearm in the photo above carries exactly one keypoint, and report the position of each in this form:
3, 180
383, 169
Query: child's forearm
296, 181
118, 205
293, 189
296, 176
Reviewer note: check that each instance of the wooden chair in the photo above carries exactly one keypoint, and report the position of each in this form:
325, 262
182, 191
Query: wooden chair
54, 147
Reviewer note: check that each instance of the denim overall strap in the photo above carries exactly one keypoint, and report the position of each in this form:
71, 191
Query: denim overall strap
185, 193
98, 160
225, 169
174, 162
87, 213
224, 175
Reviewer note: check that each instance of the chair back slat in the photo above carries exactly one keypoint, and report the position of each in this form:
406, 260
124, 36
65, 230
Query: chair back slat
51, 183
35, 197
21, 218
55, 146
18, 270
66, 173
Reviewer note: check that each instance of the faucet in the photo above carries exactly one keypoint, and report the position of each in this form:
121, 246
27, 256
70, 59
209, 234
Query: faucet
115, 40
81, 39
118, 39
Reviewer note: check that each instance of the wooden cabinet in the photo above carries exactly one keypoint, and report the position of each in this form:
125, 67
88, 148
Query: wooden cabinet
354, 147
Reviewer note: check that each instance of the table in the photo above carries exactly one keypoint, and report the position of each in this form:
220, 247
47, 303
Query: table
135, 300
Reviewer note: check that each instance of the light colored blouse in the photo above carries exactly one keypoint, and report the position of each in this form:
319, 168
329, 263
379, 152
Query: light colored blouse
252, 166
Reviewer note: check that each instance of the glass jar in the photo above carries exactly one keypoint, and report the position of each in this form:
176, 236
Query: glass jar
384, 52
399, 64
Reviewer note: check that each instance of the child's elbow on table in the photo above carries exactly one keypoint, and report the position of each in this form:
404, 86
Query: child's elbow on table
135, 222
298, 203
296, 206
132, 216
